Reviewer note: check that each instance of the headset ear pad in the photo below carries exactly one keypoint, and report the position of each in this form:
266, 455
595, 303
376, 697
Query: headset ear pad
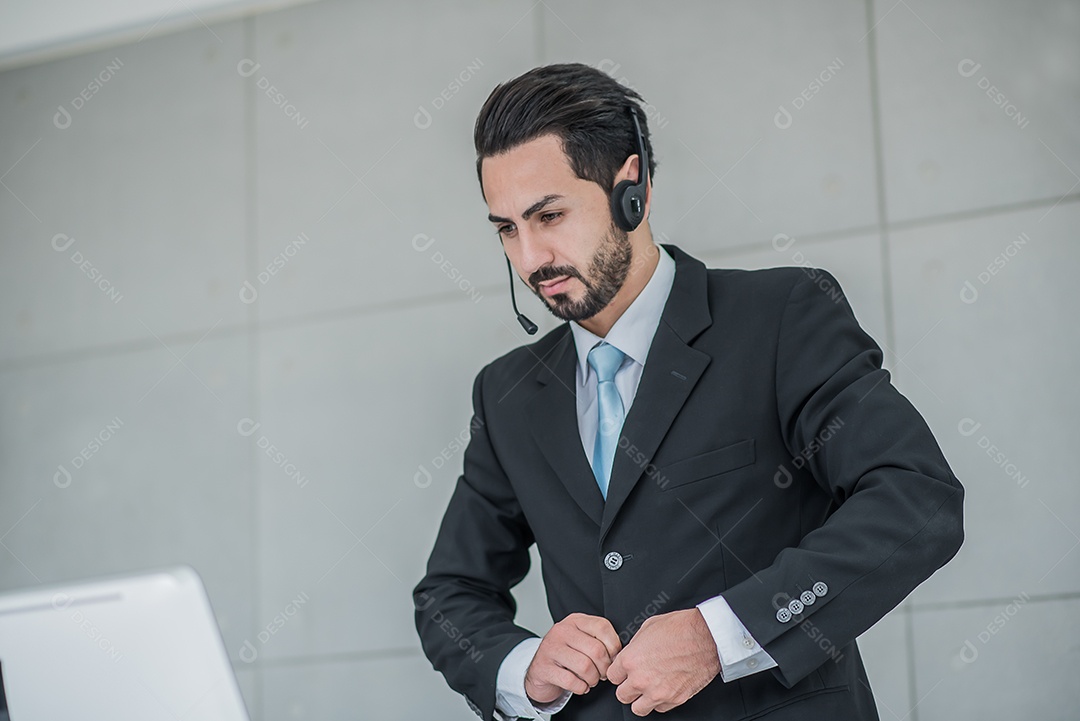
627, 205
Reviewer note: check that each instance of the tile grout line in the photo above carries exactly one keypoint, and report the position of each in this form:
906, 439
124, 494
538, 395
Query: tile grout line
909, 643
235, 329
251, 248
337, 657
886, 289
879, 178
928, 221
990, 602
539, 37
989, 211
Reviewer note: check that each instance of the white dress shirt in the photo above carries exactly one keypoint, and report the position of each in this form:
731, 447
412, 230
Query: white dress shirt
632, 333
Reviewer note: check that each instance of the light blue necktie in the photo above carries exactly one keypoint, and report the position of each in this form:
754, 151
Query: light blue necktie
606, 359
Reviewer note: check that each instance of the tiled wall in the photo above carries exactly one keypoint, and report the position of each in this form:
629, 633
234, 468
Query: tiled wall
230, 263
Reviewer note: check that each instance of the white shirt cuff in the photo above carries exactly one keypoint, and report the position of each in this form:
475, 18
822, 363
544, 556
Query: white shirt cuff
740, 654
510, 696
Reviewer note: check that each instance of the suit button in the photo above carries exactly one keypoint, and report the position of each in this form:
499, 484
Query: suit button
820, 589
783, 615
808, 598
796, 607
613, 561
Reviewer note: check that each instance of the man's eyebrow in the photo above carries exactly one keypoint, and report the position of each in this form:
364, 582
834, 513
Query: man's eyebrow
538, 205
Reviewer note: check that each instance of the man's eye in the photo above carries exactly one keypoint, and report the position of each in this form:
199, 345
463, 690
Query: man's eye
546, 217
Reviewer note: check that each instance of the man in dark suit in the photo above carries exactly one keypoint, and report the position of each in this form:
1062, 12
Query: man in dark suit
724, 486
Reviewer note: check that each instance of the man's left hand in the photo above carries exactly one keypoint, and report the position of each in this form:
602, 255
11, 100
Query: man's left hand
669, 659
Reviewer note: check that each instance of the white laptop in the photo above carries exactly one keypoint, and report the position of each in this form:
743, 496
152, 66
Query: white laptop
122, 648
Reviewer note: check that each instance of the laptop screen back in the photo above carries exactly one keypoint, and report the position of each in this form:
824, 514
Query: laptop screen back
140, 647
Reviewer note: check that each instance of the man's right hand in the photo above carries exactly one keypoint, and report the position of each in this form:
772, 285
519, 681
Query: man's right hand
574, 656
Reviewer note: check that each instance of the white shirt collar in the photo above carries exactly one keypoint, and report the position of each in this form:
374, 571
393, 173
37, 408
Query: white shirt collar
633, 331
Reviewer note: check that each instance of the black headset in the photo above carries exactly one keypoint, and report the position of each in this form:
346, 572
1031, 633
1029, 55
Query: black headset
628, 197
627, 209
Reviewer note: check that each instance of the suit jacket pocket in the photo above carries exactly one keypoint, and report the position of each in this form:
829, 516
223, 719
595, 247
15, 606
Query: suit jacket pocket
706, 465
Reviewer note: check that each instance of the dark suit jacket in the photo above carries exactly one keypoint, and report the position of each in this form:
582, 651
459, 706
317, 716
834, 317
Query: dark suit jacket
766, 454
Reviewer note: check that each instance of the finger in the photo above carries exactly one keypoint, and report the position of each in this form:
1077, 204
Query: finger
593, 649
642, 706
616, 673
584, 668
627, 693
580, 664
601, 629
564, 678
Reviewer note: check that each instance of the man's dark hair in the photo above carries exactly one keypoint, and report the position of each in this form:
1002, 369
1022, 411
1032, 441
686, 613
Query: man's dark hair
586, 108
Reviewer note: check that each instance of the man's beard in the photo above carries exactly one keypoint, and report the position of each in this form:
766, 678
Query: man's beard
607, 273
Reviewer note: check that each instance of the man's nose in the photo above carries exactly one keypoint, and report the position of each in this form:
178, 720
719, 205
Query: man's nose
534, 252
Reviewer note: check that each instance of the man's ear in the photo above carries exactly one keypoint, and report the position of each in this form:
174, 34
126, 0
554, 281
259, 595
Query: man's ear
627, 171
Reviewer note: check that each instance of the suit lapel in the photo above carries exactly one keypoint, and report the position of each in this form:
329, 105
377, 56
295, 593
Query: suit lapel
552, 414
671, 371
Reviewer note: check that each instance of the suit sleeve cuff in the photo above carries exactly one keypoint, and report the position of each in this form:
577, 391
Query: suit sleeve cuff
510, 697
740, 654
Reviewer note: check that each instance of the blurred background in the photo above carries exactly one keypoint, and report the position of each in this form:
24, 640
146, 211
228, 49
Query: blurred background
246, 281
